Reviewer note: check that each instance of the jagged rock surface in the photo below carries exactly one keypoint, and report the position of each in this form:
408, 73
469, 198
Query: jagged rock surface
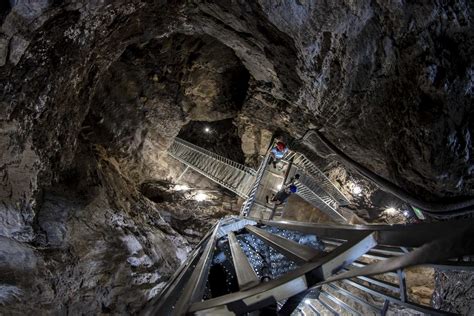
112, 83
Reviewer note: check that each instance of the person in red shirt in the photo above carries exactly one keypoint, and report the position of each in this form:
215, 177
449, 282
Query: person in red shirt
277, 153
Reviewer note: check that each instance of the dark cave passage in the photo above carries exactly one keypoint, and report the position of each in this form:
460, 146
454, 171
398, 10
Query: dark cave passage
220, 137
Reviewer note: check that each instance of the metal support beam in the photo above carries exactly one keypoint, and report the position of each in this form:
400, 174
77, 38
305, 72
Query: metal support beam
383, 251
293, 250
359, 264
402, 285
340, 303
345, 255
182, 173
414, 235
194, 289
384, 310
164, 304
353, 297
246, 275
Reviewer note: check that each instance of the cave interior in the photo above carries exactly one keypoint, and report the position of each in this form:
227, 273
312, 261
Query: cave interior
99, 209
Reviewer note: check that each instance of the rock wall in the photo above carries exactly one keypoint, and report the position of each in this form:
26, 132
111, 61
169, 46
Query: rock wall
454, 292
110, 84
98, 246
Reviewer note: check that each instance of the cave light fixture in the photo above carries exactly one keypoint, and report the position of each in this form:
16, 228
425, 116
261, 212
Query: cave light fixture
207, 129
356, 189
181, 187
391, 211
200, 196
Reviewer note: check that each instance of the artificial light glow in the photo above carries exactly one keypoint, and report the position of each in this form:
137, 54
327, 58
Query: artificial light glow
279, 187
406, 213
391, 211
207, 129
356, 189
181, 187
307, 301
201, 197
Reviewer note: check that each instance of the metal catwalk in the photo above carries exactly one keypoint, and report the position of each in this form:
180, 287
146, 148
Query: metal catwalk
229, 174
245, 265
257, 266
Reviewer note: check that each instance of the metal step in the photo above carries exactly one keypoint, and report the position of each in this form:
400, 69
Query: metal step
296, 252
343, 292
339, 302
231, 175
246, 276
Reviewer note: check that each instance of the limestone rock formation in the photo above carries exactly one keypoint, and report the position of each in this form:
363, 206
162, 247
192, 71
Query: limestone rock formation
92, 93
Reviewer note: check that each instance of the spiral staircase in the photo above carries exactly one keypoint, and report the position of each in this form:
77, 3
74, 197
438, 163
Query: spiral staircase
254, 264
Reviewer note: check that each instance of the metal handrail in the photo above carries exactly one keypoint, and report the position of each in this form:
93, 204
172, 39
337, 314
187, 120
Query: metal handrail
199, 158
310, 194
214, 156
303, 163
247, 205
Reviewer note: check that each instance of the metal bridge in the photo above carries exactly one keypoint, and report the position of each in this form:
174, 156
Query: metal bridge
313, 185
288, 268
226, 172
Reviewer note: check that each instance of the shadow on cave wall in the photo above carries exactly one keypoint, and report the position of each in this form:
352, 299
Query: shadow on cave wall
154, 89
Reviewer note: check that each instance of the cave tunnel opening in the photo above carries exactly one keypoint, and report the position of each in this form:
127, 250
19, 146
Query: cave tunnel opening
220, 137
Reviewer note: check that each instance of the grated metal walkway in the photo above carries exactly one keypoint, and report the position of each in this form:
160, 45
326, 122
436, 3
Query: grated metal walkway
316, 188
293, 268
229, 174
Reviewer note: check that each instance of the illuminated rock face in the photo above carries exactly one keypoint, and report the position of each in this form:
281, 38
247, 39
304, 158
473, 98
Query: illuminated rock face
92, 93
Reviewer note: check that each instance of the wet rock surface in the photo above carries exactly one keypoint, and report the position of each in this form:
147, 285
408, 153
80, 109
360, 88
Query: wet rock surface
93, 93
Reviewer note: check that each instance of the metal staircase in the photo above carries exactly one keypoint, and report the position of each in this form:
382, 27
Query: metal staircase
245, 264
313, 185
313, 194
228, 173
316, 188
247, 206
309, 169
281, 268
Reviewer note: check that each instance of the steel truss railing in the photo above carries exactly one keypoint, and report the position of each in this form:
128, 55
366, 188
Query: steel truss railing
247, 205
325, 278
316, 188
226, 172
306, 166
313, 194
